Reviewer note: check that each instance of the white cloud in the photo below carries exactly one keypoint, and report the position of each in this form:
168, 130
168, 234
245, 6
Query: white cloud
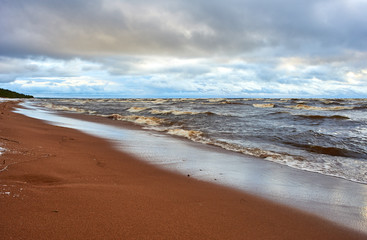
156, 76
357, 78
66, 86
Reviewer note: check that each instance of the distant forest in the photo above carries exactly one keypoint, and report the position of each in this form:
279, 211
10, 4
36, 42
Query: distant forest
10, 94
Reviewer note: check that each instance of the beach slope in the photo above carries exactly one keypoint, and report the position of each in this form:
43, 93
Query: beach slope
58, 183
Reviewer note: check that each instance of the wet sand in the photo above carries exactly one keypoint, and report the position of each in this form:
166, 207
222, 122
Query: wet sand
58, 183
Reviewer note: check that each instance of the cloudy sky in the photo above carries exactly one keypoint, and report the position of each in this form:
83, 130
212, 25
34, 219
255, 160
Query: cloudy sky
184, 48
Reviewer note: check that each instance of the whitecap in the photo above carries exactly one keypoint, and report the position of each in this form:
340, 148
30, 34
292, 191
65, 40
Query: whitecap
264, 105
190, 134
137, 109
141, 120
331, 108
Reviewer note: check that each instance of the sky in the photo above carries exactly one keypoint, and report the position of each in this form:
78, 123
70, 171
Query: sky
184, 48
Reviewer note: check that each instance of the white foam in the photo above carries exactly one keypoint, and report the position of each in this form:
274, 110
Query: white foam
216, 99
190, 134
66, 108
265, 105
159, 101
141, 120
331, 108
136, 109
174, 112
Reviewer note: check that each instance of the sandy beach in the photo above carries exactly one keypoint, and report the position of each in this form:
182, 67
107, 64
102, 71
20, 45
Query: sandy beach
58, 183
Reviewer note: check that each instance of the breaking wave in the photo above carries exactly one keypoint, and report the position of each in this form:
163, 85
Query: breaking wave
216, 101
141, 120
69, 109
331, 108
342, 167
137, 109
363, 107
327, 150
159, 101
264, 105
189, 134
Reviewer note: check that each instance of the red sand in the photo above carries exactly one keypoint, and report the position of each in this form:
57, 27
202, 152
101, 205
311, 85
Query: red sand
58, 183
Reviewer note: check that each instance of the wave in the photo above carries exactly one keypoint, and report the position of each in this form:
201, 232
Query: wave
307, 107
130, 100
118, 100
340, 167
141, 120
275, 101
184, 99
231, 102
256, 152
331, 151
158, 101
79, 101
176, 112
264, 105
278, 113
316, 117
215, 101
198, 136
69, 109
190, 134
362, 107
334, 151
137, 109
332, 102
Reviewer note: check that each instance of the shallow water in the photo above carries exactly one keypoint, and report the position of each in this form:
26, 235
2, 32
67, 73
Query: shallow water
336, 199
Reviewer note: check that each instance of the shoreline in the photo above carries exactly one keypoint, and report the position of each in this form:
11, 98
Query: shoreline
63, 183
235, 128
333, 199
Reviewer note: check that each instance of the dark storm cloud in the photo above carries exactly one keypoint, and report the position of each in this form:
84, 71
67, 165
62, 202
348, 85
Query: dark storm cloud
72, 28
